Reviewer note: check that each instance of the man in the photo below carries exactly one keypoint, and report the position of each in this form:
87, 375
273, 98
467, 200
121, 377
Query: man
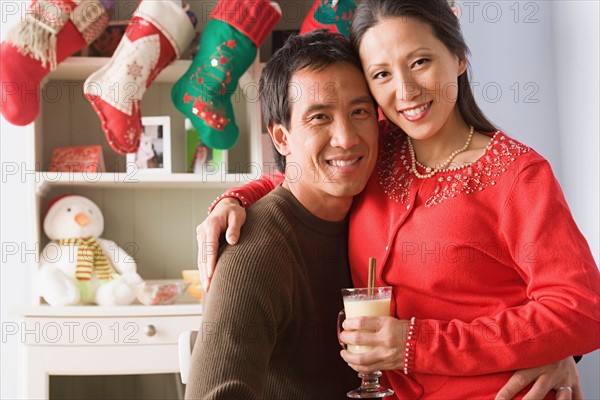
269, 323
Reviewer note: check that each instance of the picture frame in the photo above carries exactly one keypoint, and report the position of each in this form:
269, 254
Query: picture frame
154, 153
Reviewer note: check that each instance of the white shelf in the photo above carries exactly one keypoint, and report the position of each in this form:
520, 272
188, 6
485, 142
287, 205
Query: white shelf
80, 68
46, 180
137, 310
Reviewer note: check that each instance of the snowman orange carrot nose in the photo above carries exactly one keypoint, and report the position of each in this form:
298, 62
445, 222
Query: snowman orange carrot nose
82, 219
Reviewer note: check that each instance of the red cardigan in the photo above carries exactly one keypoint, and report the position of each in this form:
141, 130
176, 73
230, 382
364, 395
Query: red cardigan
488, 260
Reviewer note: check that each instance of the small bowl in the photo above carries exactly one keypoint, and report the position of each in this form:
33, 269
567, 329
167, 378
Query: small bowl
192, 276
159, 293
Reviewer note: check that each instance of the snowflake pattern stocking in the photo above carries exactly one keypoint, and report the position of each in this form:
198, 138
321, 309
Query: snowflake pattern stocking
156, 35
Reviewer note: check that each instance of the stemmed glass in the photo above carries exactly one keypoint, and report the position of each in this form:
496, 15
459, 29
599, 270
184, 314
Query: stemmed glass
372, 302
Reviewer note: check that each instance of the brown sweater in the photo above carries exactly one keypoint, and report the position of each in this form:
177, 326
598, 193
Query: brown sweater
269, 323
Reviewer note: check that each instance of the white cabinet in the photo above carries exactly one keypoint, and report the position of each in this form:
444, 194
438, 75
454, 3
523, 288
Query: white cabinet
99, 341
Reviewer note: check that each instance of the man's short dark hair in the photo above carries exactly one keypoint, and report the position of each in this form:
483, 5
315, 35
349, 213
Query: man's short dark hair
314, 51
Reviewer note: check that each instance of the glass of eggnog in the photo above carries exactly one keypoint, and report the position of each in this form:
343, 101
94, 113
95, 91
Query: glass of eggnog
370, 302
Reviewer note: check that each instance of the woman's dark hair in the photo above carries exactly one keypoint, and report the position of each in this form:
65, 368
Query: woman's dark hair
446, 27
312, 51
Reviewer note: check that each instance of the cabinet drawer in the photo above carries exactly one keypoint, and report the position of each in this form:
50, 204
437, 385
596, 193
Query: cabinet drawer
106, 331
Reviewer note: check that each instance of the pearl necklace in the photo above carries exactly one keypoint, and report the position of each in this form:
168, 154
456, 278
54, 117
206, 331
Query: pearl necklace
443, 166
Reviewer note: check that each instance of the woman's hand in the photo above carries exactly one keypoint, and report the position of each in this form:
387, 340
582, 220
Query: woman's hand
560, 374
228, 215
385, 334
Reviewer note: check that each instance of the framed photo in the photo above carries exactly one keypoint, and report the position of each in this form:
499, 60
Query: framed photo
154, 153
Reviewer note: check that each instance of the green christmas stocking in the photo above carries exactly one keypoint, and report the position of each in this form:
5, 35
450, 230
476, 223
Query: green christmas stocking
228, 46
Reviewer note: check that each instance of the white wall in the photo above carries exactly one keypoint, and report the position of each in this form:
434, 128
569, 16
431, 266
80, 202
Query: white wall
577, 40
14, 275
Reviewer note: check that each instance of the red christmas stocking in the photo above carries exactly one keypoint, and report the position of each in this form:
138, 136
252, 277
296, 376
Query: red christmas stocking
227, 48
331, 14
157, 34
52, 31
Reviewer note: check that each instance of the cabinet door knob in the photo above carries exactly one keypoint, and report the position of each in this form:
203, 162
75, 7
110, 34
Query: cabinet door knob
150, 330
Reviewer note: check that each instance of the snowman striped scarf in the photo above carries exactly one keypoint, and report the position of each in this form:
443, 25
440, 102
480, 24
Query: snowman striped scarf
90, 257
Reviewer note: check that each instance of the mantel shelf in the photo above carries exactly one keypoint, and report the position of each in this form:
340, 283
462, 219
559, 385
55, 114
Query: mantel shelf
80, 68
136, 180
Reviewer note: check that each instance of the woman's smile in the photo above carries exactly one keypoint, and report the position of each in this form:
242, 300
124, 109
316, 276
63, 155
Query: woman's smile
416, 113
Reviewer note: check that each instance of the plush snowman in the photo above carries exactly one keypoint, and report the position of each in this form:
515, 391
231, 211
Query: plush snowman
79, 267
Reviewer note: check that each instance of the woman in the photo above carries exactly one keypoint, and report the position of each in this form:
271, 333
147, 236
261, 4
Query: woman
469, 226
